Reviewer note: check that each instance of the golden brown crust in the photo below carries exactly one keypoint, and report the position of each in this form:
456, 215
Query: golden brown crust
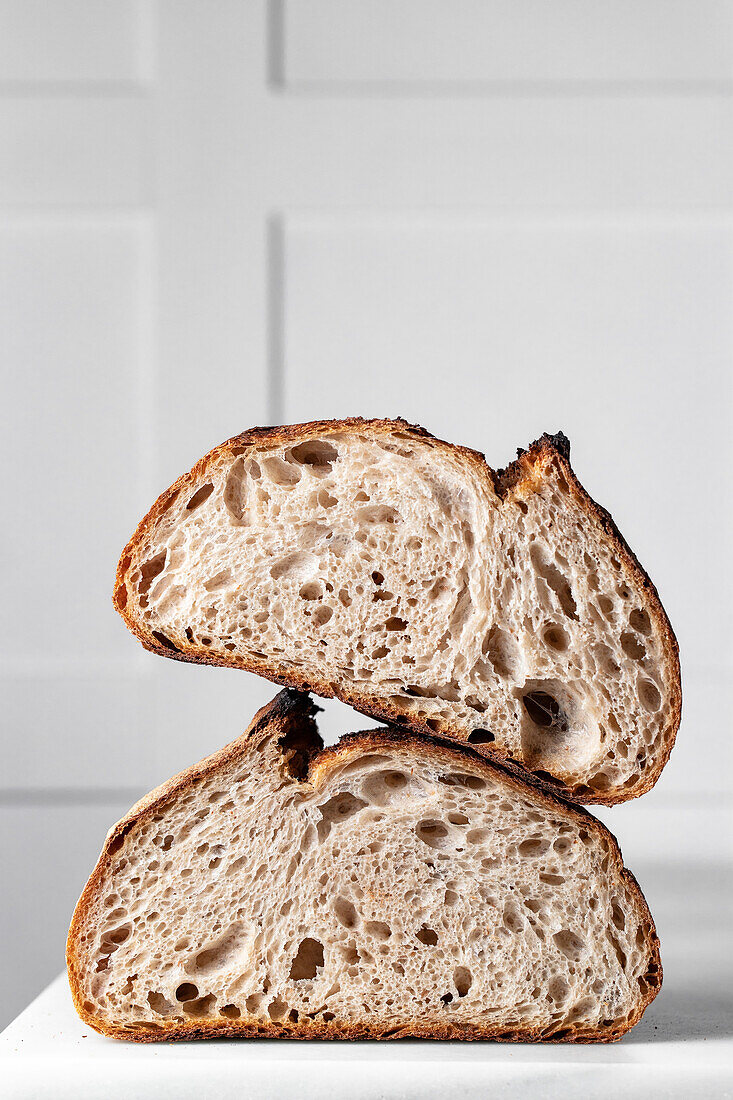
527, 468
289, 712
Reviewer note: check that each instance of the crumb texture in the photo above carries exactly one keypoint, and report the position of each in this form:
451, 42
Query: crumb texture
403, 887
386, 568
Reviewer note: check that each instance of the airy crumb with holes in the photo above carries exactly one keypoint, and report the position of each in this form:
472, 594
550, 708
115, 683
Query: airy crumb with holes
388, 885
368, 560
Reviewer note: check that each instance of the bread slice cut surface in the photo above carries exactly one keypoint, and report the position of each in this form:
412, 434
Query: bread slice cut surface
368, 560
392, 886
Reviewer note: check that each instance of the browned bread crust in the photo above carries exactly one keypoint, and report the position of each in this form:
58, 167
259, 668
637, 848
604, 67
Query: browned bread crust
291, 716
526, 469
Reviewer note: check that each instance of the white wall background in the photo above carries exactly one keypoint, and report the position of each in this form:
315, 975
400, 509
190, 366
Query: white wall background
495, 217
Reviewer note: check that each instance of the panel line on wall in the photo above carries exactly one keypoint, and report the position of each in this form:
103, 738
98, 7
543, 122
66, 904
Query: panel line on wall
276, 46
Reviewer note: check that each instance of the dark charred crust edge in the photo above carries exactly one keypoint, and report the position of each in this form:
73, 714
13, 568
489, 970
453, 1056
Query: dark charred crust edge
506, 478
548, 449
290, 708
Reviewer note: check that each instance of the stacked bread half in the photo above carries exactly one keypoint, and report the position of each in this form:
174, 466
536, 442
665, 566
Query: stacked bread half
434, 877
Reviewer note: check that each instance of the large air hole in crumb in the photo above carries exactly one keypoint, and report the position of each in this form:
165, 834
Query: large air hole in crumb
428, 936
280, 471
463, 979
336, 810
439, 589
649, 695
159, 1004
148, 572
475, 703
544, 710
480, 737
558, 988
114, 937
632, 647
533, 846
460, 779
555, 638
433, 833
601, 781
363, 763
639, 621
317, 454
231, 1012
116, 843
346, 912
462, 610
605, 659
383, 787
308, 960
199, 497
549, 879
502, 652
556, 580
322, 615
186, 992
570, 944
235, 493
219, 580
558, 730
218, 954
299, 565
202, 1006
512, 918
378, 930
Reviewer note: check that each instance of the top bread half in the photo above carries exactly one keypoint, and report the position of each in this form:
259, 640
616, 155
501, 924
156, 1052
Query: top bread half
367, 560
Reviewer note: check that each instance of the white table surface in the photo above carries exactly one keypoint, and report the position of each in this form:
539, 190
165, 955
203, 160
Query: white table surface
681, 1049
683, 1046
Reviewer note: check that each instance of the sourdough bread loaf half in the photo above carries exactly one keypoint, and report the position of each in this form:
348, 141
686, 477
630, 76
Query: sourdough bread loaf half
370, 561
391, 886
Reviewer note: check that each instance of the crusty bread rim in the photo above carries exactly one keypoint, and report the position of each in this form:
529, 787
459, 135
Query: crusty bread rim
525, 469
291, 707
